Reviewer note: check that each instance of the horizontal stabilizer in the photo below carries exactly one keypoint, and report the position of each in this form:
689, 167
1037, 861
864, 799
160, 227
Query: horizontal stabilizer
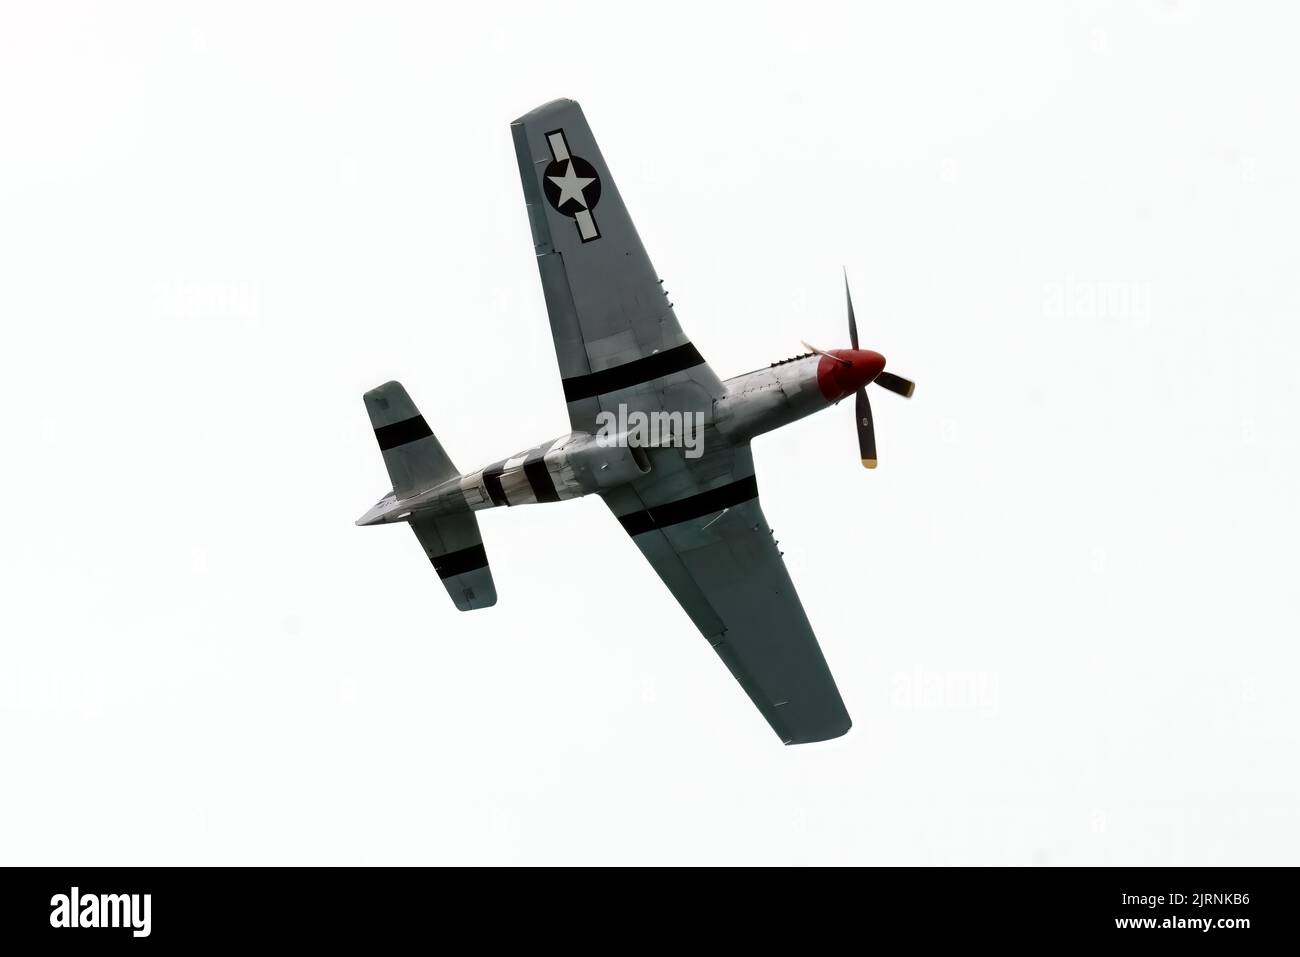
455, 547
412, 453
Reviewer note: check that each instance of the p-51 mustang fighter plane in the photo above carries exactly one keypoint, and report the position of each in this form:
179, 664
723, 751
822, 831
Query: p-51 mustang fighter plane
692, 508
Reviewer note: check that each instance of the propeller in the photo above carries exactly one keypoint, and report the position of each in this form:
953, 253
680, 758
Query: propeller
896, 384
866, 430
886, 380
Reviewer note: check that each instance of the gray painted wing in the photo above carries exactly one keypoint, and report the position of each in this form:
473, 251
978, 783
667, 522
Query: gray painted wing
617, 339
714, 550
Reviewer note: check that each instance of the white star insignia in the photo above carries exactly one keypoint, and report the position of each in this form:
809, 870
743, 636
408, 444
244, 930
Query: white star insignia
571, 186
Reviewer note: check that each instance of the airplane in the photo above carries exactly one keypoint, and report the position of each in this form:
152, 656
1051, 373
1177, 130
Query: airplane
692, 508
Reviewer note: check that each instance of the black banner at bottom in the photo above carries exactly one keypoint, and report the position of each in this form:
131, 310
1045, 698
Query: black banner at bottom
101, 908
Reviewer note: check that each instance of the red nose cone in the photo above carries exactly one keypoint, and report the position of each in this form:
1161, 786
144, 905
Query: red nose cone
836, 379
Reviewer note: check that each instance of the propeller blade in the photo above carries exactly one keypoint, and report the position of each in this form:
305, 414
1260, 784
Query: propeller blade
853, 325
822, 352
866, 430
896, 384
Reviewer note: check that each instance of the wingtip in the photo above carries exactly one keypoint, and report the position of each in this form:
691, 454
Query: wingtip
836, 730
550, 105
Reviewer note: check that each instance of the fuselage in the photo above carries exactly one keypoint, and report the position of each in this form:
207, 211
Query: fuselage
580, 463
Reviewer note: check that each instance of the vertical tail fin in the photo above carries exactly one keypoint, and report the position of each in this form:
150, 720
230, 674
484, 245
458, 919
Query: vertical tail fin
412, 453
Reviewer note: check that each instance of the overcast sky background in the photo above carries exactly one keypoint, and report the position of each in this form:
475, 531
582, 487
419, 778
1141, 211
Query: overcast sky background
1063, 612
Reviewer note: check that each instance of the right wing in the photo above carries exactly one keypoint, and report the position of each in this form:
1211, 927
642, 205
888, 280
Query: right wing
700, 526
616, 337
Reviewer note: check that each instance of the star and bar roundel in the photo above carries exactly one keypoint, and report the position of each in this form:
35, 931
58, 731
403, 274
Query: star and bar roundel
572, 186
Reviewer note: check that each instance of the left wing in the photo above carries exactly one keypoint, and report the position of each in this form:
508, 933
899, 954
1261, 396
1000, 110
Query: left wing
700, 526
617, 339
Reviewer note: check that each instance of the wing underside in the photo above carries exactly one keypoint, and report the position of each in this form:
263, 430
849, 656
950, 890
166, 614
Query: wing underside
620, 348
616, 336
714, 550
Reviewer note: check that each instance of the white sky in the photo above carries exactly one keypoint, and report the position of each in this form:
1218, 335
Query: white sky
1063, 612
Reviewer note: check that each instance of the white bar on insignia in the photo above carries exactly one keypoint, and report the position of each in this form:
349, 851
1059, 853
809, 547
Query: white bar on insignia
586, 225
558, 148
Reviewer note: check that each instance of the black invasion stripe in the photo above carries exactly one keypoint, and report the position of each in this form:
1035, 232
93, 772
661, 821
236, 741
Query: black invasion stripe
539, 479
492, 481
631, 373
685, 509
457, 563
399, 433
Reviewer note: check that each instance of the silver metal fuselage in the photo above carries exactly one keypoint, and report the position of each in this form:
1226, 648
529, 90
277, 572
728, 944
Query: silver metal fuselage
578, 464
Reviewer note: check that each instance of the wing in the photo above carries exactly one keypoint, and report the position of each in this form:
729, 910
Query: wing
616, 337
700, 525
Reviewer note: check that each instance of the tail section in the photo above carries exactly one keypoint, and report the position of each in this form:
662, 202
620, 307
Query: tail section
416, 460
412, 453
